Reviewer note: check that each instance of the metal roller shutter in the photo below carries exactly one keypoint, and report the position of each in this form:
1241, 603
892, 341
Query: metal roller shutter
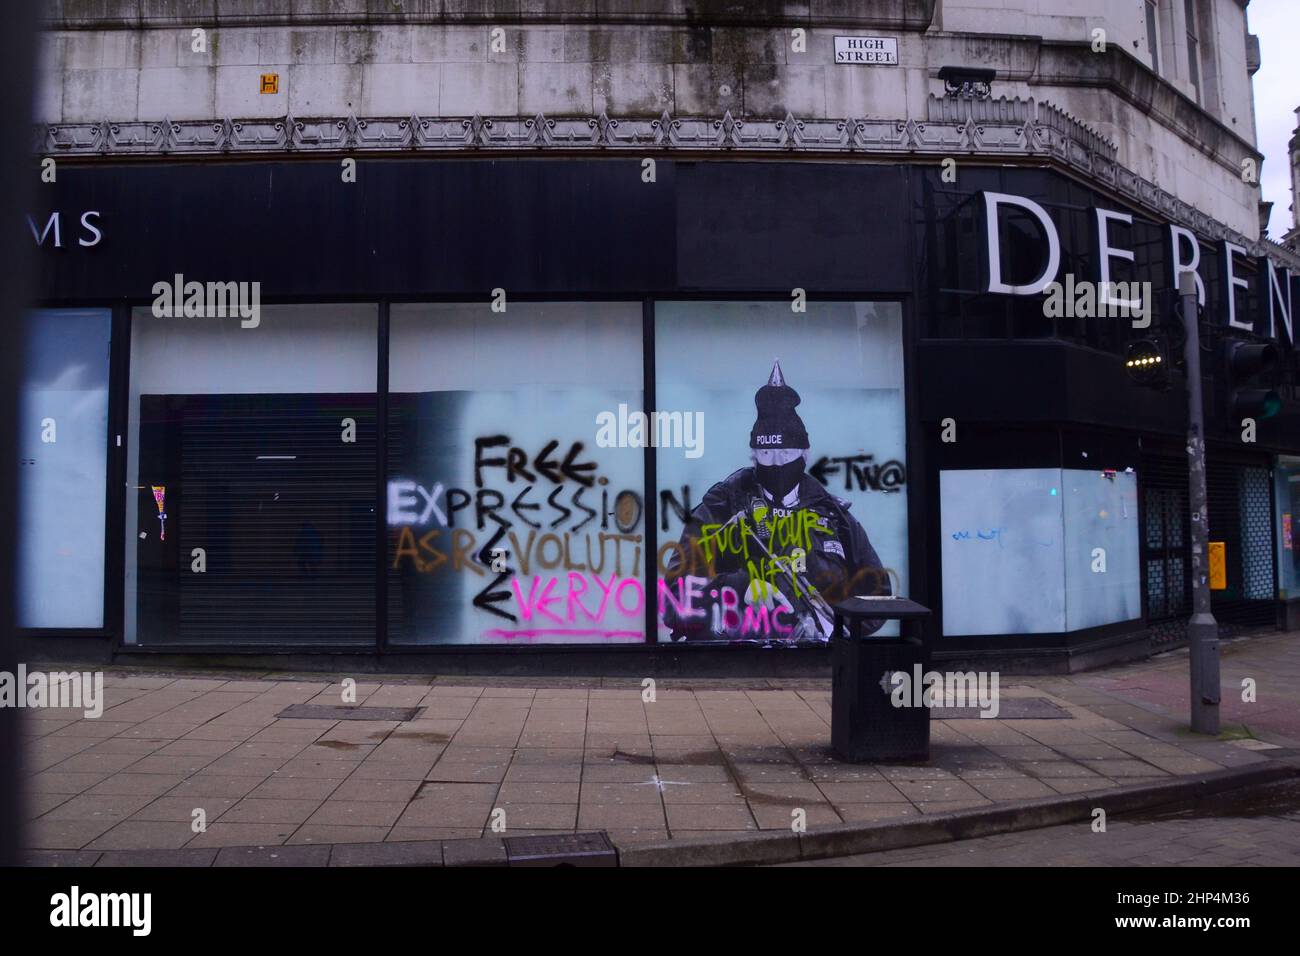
1241, 508
284, 510
1165, 546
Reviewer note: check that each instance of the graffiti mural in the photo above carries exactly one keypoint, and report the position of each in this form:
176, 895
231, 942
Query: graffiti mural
799, 500
512, 521
512, 536
774, 546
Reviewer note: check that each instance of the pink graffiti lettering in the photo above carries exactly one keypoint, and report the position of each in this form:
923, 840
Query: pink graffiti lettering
550, 633
606, 589
635, 585
577, 588
689, 588
727, 614
534, 604
539, 599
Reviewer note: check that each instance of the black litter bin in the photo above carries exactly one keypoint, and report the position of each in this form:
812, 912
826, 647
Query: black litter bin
865, 724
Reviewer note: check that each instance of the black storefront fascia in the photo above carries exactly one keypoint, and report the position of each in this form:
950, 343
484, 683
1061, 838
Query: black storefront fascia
580, 229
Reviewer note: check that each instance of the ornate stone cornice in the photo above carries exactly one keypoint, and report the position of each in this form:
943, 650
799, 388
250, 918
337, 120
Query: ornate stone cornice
993, 129
149, 14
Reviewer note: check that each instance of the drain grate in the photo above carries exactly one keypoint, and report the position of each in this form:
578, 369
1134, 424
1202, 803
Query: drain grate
562, 849
344, 712
1009, 708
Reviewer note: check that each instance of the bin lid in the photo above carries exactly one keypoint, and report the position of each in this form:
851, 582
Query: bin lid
882, 608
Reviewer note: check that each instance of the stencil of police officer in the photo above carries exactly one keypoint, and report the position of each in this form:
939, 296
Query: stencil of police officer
837, 553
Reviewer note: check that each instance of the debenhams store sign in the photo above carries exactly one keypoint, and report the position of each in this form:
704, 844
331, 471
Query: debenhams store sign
1270, 290
1271, 285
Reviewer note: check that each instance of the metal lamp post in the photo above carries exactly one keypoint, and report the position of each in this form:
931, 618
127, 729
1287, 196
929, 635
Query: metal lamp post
1202, 629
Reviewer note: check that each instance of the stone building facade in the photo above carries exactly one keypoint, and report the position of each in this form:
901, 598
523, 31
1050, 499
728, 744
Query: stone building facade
478, 228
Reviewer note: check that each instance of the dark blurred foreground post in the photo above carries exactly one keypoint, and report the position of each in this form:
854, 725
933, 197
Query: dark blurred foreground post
17, 175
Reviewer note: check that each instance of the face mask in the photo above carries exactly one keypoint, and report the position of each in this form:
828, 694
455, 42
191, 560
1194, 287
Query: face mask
780, 479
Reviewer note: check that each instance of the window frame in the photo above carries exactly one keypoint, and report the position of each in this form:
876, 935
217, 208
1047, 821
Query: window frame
1192, 29
1153, 34
114, 477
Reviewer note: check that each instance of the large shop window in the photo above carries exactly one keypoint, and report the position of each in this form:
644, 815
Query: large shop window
782, 480
1038, 550
251, 480
62, 458
512, 519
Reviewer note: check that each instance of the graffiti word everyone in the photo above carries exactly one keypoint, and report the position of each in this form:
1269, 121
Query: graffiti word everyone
625, 595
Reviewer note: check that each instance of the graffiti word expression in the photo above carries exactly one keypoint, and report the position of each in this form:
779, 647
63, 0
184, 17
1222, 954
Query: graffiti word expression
411, 503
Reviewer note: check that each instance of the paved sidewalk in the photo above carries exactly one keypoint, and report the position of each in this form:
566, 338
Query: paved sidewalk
1161, 684
706, 758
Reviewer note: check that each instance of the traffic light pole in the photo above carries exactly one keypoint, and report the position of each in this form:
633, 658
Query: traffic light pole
1202, 630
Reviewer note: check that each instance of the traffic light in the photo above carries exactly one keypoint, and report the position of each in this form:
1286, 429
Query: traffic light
1145, 363
1245, 361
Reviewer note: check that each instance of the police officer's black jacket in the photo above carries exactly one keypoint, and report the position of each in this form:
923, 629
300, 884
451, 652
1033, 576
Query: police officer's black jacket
839, 564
